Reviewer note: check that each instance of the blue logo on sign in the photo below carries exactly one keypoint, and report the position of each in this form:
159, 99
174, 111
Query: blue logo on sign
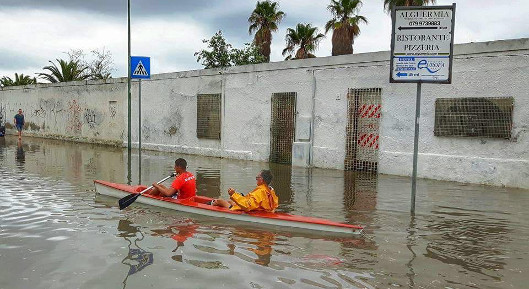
431, 66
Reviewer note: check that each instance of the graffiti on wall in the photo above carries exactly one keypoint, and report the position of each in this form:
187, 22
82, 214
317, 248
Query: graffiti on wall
74, 117
92, 117
112, 107
48, 107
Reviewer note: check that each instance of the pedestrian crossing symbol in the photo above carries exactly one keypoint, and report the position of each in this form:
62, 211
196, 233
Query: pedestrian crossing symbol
140, 67
140, 70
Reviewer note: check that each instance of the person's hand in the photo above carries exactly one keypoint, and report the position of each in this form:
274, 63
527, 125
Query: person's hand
231, 191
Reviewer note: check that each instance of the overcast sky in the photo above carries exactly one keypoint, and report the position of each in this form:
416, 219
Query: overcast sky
170, 31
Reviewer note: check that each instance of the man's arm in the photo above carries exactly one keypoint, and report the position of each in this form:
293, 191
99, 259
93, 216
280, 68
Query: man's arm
165, 191
247, 203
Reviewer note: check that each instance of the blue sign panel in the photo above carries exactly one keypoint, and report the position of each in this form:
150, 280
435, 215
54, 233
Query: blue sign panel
140, 67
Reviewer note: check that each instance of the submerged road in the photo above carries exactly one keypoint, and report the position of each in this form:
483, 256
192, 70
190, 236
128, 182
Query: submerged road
55, 232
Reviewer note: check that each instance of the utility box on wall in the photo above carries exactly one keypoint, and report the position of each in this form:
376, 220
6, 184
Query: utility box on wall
301, 154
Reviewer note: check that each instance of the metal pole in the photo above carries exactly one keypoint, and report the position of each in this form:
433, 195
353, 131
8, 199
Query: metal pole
129, 147
415, 148
139, 133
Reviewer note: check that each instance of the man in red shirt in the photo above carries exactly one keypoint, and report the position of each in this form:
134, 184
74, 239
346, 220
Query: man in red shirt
183, 187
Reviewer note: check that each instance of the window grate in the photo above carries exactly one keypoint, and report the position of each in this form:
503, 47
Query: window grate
282, 127
362, 138
208, 116
489, 117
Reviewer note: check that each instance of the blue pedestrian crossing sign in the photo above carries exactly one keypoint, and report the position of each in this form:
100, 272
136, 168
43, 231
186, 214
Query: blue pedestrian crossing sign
140, 67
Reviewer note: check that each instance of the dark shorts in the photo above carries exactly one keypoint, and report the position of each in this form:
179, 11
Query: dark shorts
19, 127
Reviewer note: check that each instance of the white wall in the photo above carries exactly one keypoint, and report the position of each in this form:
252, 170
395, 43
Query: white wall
490, 69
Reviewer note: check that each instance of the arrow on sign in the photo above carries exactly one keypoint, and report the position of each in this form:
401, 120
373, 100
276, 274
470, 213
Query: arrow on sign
399, 74
409, 28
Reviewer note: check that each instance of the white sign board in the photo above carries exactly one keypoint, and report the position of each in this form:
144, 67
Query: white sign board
422, 44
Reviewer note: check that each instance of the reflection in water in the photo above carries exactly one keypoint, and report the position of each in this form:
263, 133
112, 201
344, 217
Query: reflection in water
463, 236
260, 243
469, 239
282, 175
137, 259
180, 233
410, 244
20, 156
208, 182
360, 196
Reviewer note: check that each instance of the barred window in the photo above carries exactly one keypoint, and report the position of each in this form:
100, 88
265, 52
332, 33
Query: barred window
208, 116
282, 127
474, 117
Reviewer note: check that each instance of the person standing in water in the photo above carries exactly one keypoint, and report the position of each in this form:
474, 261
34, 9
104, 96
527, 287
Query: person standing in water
19, 122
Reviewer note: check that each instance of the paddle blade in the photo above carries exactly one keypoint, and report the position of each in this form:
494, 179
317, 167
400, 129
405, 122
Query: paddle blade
126, 201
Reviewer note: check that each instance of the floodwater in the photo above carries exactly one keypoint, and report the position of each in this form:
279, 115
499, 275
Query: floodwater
55, 232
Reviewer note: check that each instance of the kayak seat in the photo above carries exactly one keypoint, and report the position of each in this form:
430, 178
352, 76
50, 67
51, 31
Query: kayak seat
139, 188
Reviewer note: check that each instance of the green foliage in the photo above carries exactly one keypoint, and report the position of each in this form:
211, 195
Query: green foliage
70, 70
250, 54
222, 54
264, 20
19, 80
77, 68
389, 4
344, 25
218, 56
306, 38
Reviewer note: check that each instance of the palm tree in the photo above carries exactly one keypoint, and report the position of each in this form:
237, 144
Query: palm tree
264, 19
344, 25
306, 38
19, 80
389, 4
70, 71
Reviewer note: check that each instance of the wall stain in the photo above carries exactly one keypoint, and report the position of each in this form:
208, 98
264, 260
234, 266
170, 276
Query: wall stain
74, 117
32, 126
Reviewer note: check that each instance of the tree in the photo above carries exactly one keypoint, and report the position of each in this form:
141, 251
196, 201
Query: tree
69, 71
99, 67
222, 54
218, 56
389, 4
344, 25
19, 80
264, 20
250, 54
305, 37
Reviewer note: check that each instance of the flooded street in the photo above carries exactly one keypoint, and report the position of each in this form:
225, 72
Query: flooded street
55, 232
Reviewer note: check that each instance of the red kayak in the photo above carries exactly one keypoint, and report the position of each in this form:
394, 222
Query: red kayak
198, 205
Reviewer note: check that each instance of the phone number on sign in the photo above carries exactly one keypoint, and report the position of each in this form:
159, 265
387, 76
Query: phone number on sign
425, 23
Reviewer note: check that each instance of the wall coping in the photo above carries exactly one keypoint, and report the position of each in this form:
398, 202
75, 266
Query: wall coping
463, 49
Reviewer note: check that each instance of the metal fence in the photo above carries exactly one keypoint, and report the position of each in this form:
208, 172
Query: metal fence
208, 116
489, 117
362, 138
282, 127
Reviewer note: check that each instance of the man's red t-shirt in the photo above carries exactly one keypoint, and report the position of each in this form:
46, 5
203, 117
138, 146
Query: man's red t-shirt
185, 185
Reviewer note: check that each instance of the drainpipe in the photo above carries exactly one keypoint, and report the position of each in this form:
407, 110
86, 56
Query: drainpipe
312, 119
223, 113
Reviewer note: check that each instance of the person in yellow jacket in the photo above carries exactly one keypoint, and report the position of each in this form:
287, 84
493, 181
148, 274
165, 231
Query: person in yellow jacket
262, 198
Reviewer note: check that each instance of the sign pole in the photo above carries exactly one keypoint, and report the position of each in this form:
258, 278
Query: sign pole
422, 48
140, 68
415, 148
139, 133
129, 147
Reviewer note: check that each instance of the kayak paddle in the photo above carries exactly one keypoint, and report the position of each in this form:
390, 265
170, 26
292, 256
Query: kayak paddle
126, 201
